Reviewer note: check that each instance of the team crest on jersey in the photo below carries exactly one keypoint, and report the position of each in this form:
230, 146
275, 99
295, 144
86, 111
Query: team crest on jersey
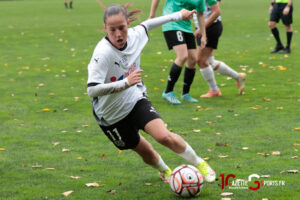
124, 60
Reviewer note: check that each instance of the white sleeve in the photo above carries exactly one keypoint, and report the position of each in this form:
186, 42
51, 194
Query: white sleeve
195, 18
152, 23
107, 88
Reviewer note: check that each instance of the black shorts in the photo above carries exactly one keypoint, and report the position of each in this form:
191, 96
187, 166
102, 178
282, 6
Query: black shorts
125, 133
277, 14
174, 38
213, 33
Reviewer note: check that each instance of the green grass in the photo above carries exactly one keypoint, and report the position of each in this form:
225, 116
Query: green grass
44, 51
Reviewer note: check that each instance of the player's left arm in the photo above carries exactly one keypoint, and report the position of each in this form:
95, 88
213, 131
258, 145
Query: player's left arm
177, 16
216, 12
287, 9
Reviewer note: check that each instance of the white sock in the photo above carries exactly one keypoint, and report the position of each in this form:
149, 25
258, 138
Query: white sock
161, 165
209, 76
190, 155
224, 69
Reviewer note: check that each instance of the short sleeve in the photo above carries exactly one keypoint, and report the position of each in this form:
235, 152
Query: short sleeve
211, 2
201, 6
97, 69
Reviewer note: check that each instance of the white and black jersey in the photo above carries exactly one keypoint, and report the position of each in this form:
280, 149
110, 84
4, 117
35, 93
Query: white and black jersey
109, 64
113, 97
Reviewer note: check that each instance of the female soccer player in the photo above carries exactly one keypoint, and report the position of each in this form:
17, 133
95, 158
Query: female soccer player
179, 36
120, 104
206, 59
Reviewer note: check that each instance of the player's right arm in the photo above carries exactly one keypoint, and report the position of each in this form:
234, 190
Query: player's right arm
154, 6
97, 71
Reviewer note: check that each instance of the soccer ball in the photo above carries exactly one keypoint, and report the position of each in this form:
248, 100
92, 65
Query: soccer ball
186, 181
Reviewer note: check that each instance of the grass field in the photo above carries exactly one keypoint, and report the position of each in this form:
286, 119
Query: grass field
48, 133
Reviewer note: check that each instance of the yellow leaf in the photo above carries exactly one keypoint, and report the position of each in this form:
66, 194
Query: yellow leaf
281, 68
148, 184
76, 98
65, 150
276, 153
162, 80
156, 88
50, 168
297, 129
79, 158
67, 193
103, 156
224, 194
120, 151
195, 118
2, 149
46, 109
197, 130
206, 159
56, 143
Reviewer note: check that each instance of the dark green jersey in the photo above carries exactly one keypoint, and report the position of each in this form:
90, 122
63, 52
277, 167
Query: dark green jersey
172, 6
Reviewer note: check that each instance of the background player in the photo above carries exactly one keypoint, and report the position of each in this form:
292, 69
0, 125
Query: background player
206, 59
179, 36
120, 105
70, 4
281, 9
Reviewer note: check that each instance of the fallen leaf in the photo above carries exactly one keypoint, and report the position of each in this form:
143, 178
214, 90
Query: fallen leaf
79, 158
255, 107
221, 156
92, 184
65, 150
226, 198
85, 126
103, 156
112, 191
36, 166
280, 108
297, 129
294, 157
56, 143
2, 149
265, 176
206, 158
67, 193
218, 133
281, 68
195, 118
76, 98
296, 144
219, 116
75, 177
156, 88
50, 168
293, 171
245, 148
224, 194
197, 130
162, 80
148, 184
46, 109
221, 144
276, 153
158, 53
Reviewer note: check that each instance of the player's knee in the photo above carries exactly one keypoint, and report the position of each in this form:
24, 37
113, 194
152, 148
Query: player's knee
182, 58
165, 140
272, 25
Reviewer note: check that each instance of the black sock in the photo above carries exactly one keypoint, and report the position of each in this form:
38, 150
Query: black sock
71, 4
189, 75
173, 77
66, 5
288, 39
275, 32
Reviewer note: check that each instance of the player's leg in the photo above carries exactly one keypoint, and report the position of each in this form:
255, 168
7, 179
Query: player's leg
175, 40
189, 72
224, 69
207, 72
287, 21
274, 19
71, 4
156, 128
152, 158
66, 4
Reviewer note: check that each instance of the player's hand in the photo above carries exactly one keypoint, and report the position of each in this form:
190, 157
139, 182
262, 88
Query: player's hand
197, 33
203, 42
186, 14
286, 10
135, 77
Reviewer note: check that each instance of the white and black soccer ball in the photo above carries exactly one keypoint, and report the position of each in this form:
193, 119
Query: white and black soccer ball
186, 181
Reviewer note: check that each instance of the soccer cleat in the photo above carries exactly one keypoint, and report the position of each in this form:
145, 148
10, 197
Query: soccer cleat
165, 175
285, 51
212, 93
208, 173
189, 98
241, 82
277, 48
171, 98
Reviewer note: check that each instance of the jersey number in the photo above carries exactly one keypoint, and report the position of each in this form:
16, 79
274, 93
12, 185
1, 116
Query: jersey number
116, 137
179, 36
